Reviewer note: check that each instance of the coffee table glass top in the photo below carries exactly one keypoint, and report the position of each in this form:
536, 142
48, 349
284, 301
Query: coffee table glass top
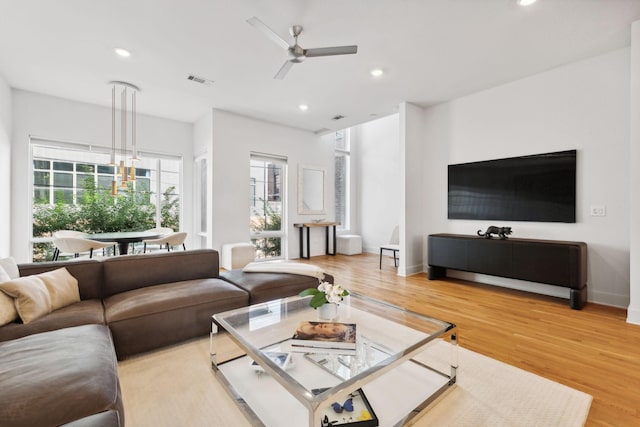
387, 337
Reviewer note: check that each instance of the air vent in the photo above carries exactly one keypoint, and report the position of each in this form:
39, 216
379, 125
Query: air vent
200, 80
338, 117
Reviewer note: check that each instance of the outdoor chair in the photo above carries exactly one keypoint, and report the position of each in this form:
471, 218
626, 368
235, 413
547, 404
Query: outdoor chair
171, 240
78, 245
162, 231
65, 233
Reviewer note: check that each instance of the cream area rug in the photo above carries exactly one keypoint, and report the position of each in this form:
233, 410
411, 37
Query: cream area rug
176, 387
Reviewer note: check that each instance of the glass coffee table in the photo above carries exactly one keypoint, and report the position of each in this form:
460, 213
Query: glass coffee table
389, 378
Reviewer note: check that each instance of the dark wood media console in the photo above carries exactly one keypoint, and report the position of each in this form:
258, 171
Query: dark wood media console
544, 261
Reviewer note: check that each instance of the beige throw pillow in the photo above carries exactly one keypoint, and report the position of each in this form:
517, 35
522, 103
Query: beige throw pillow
30, 296
8, 311
62, 287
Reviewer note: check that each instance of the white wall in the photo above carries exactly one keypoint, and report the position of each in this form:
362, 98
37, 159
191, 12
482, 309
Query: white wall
583, 106
61, 119
412, 235
377, 160
5, 168
633, 311
234, 138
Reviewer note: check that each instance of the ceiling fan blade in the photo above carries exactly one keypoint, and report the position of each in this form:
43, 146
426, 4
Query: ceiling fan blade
261, 26
329, 51
283, 70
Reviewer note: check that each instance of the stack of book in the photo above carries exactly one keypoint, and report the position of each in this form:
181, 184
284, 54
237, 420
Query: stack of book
324, 337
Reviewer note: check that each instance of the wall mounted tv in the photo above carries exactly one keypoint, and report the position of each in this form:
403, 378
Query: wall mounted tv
539, 188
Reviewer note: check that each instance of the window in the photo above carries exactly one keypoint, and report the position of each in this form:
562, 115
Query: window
342, 167
267, 202
202, 201
72, 190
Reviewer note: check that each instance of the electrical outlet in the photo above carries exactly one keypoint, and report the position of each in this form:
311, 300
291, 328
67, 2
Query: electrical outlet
598, 210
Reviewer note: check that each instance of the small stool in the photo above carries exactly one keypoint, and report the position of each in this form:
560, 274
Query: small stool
237, 255
349, 244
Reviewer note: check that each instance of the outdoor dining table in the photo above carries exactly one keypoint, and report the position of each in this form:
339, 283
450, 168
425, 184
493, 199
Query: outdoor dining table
123, 238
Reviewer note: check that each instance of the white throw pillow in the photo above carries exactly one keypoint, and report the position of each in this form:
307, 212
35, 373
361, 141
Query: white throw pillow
8, 311
9, 265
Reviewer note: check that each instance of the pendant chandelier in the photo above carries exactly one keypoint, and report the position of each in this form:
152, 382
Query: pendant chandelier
126, 173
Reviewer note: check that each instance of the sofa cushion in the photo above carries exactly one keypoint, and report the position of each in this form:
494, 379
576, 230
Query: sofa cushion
57, 377
88, 273
156, 316
8, 311
126, 273
30, 297
169, 296
62, 287
81, 313
264, 287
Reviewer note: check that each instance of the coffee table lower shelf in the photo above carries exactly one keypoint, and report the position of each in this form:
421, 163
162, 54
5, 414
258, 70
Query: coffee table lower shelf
396, 397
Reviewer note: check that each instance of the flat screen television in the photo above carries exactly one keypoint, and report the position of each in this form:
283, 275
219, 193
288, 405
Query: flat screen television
540, 188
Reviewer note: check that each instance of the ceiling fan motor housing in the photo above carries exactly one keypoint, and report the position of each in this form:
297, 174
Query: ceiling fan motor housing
296, 54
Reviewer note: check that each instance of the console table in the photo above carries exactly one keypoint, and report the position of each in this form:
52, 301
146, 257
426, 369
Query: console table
551, 262
308, 226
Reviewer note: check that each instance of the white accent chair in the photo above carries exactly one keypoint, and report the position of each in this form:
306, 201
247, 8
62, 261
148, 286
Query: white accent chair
65, 233
162, 231
69, 233
78, 245
392, 246
171, 240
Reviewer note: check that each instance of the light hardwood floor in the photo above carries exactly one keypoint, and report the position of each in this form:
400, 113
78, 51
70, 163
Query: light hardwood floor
593, 350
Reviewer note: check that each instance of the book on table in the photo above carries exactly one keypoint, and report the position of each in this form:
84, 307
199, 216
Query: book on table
324, 336
353, 411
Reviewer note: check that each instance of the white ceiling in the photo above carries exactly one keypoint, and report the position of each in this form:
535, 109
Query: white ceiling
431, 51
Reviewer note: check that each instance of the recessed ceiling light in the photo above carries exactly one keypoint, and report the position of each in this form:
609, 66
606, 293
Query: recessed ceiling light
122, 52
377, 72
303, 107
526, 2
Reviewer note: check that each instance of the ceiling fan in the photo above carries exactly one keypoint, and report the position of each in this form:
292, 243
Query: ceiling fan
295, 53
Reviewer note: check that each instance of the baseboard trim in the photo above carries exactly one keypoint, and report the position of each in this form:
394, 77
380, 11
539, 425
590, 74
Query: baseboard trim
633, 316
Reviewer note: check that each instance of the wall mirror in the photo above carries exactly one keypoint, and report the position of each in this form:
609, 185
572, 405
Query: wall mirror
311, 181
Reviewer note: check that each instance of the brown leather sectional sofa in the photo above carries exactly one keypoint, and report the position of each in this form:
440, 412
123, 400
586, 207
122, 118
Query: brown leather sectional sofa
61, 369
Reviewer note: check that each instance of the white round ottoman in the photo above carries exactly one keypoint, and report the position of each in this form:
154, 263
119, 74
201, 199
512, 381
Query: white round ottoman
237, 255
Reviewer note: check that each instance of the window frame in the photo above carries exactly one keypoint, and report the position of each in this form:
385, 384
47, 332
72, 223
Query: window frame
282, 234
345, 153
35, 142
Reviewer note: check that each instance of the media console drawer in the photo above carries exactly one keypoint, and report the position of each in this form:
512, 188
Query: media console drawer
551, 262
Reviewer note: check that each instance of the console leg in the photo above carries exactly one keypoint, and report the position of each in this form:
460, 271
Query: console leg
436, 272
577, 298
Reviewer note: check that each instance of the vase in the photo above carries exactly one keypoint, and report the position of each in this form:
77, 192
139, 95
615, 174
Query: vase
328, 311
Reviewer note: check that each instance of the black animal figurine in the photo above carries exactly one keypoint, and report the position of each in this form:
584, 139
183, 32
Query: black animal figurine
502, 232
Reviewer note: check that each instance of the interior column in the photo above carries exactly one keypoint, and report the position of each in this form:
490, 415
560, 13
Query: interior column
633, 312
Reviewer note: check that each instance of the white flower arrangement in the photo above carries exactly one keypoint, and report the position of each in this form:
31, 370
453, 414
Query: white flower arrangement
325, 293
